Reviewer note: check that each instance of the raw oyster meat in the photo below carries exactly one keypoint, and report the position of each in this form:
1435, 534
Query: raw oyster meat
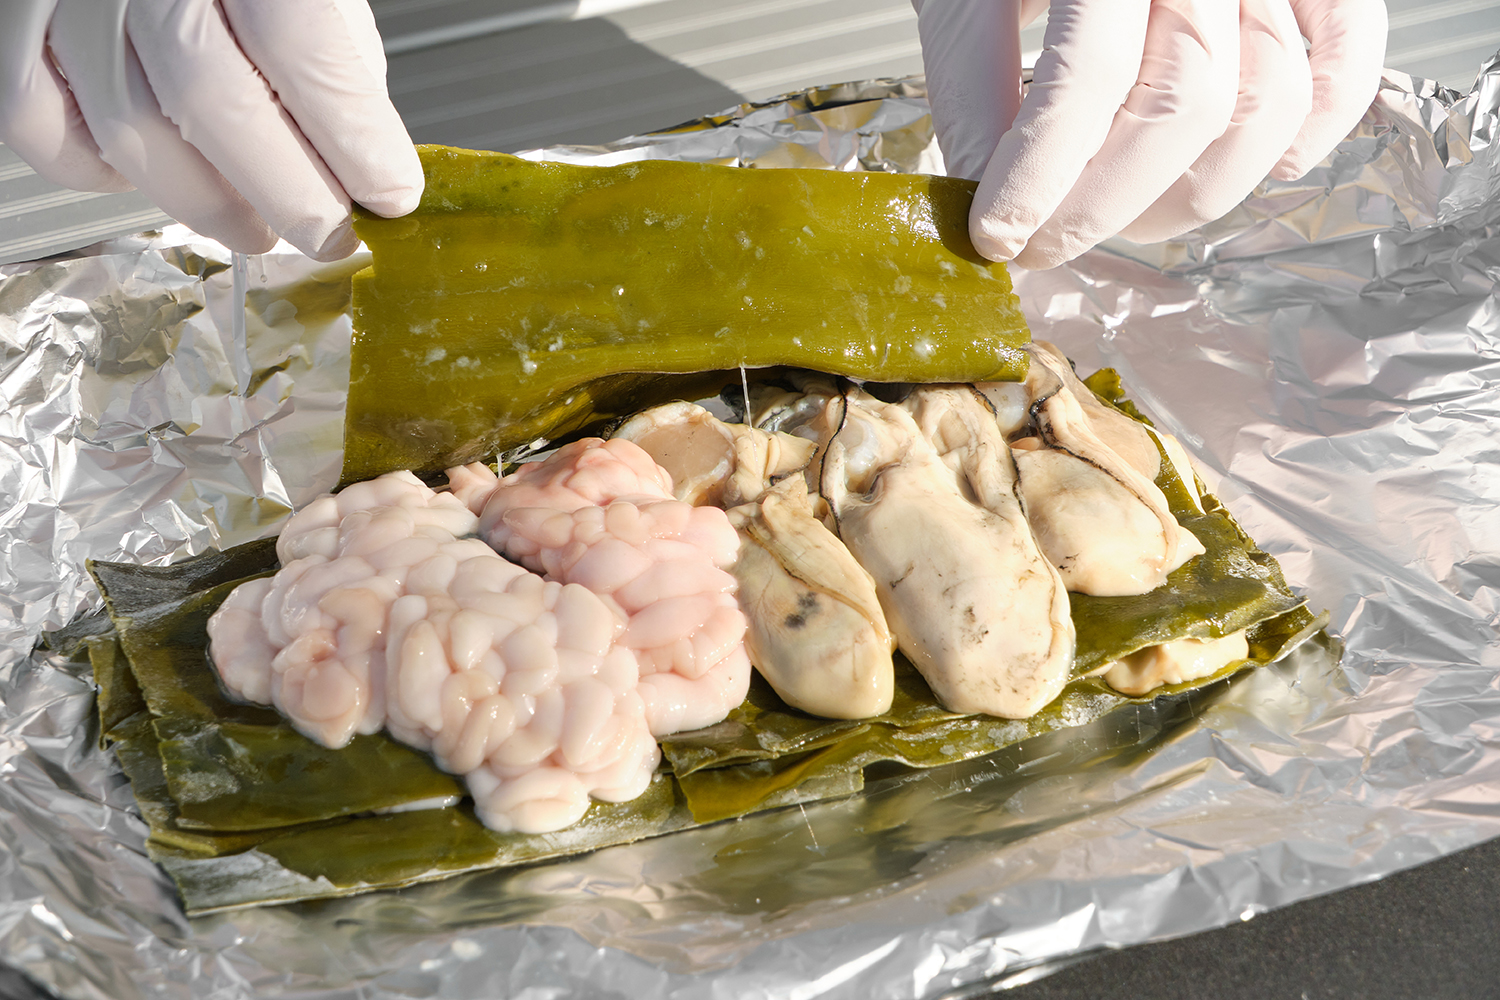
1087, 480
1174, 662
924, 495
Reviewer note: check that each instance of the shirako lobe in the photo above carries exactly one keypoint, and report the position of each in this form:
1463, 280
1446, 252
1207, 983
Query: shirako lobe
601, 514
541, 692
383, 616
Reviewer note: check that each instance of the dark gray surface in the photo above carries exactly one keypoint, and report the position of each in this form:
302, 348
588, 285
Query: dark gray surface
14, 986
1429, 933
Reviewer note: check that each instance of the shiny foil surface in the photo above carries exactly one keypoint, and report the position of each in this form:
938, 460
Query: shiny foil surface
1330, 355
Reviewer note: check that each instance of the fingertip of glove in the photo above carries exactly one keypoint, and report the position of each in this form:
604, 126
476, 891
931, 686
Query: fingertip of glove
234, 224
1291, 168
996, 247
81, 170
1159, 226
340, 243
1047, 249
1039, 260
395, 202
248, 242
106, 181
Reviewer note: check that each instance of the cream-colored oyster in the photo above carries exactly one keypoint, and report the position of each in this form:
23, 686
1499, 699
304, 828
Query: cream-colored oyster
924, 495
817, 632
1087, 482
1174, 662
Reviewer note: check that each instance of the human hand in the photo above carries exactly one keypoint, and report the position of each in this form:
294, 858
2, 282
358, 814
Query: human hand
1145, 118
244, 119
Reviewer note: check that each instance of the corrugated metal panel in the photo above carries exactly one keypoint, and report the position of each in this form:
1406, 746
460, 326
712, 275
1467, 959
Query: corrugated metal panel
643, 68
1443, 40
38, 218
570, 82
754, 49
413, 25
761, 49
515, 74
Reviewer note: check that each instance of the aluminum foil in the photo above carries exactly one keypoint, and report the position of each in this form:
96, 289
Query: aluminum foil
1330, 355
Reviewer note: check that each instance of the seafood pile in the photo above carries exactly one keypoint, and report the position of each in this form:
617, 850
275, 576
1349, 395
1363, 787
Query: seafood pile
951, 524
538, 632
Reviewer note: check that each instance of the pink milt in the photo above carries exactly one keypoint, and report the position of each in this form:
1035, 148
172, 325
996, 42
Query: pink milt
601, 514
383, 616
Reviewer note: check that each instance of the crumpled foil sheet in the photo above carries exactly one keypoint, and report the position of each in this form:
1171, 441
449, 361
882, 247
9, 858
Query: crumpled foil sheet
1329, 353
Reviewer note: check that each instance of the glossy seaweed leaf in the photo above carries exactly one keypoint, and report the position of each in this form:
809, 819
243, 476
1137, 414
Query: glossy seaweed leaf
119, 696
927, 736
1230, 587
126, 724
801, 760
363, 853
232, 766
524, 300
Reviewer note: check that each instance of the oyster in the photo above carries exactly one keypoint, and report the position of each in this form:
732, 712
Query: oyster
817, 632
1174, 662
712, 462
1087, 481
924, 495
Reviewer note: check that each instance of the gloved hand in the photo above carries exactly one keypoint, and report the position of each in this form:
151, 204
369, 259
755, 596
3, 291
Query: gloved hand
244, 119
1146, 118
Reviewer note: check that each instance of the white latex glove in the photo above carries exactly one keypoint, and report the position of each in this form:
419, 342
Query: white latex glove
244, 119
1145, 118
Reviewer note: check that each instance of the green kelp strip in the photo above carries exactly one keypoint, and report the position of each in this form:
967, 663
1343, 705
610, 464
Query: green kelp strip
233, 766
125, 724
716, 790
268, 858
365, 853
799, 759
119, 696
779, 757
1230, 587
525, 299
